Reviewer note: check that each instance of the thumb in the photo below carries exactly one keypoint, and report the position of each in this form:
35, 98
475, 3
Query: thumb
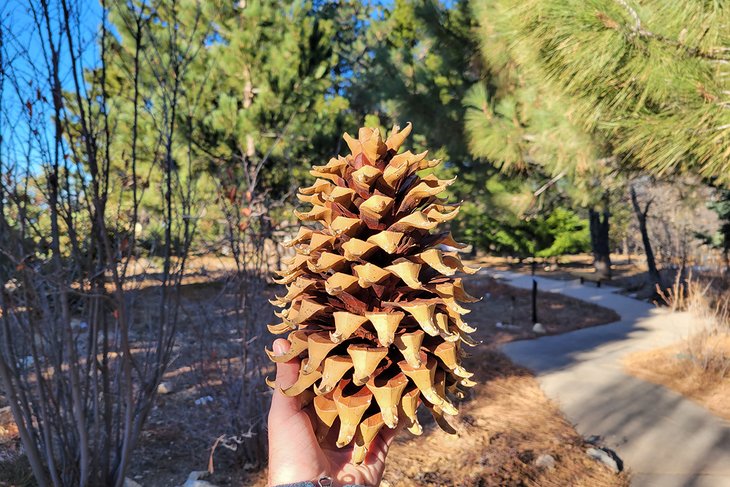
286, 375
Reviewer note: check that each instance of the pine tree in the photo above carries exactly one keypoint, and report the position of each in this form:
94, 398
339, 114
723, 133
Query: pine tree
424, 61
261, 97
528, 129
269, 96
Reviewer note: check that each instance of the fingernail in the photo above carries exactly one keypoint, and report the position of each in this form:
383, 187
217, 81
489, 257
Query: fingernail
279, 349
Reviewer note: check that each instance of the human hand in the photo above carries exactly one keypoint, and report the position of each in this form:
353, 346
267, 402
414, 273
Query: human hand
295, 455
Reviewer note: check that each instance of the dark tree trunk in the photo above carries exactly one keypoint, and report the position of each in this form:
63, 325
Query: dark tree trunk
600, 243
641, 217
725, 232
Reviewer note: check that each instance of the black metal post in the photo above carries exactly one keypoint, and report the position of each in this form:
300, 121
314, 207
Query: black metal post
534, 301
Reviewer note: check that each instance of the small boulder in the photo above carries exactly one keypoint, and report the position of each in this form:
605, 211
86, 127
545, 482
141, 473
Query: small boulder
545, 461
609, 459
202, 401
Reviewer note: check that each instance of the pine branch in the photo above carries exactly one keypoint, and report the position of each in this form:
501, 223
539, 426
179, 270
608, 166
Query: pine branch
639, 30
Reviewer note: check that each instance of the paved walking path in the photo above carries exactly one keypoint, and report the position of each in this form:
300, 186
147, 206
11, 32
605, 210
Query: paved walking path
665, 439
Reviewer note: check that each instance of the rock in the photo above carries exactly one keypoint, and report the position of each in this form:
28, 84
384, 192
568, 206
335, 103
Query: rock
194, 480
605, 457
539, 329
79, 325
202, 401
130, 483
6, 415
506, 326
545, 461
11, 285
26, 362
165, 388
593, 439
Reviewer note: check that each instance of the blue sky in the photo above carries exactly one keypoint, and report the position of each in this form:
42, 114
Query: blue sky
26, 62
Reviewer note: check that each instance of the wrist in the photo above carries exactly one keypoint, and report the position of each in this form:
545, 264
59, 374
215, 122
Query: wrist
321, 481
284, 478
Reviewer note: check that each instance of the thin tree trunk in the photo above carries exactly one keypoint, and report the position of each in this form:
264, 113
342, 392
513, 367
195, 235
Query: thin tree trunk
641, 216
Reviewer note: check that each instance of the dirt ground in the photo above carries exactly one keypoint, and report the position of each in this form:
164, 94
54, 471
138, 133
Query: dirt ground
505, 313
504, 426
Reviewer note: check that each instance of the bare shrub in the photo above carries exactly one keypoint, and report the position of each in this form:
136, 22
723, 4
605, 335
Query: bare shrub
229, 366
240, 370
80, 357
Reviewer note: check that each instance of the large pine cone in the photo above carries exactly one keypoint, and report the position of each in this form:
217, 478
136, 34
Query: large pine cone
372, 307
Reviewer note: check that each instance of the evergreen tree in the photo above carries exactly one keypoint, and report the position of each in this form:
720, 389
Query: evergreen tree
526, 127
650, 75
269, 97
262, 97
423, 62
423, 59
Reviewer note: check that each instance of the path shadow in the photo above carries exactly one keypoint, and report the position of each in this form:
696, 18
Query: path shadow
666, 439
663, 433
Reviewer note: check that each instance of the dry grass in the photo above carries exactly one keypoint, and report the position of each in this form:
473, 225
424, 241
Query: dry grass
698, 367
